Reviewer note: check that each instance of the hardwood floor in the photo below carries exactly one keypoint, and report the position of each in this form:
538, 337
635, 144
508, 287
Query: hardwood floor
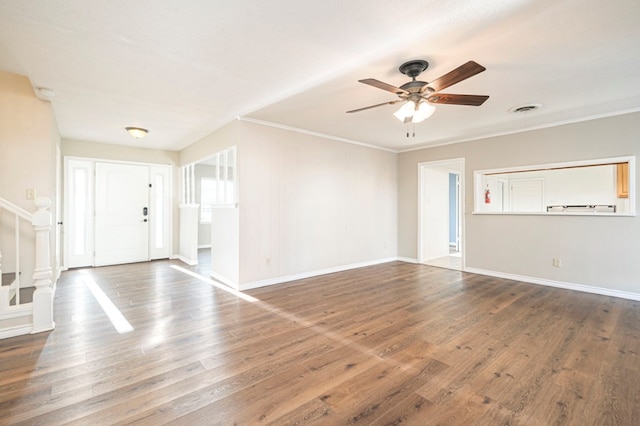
449, 262
388, 344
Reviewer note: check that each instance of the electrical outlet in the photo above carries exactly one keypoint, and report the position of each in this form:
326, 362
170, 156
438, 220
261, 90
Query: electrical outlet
557, 262
31, 194
267, 260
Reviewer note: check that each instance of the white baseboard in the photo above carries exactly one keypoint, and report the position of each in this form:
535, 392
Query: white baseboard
224, 280
190, 262
557, 284
407, 259
204, 246
15, 331
309, 274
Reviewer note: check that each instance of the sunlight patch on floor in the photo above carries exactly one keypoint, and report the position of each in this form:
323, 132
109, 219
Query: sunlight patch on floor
118, 320
297, 320
216, 284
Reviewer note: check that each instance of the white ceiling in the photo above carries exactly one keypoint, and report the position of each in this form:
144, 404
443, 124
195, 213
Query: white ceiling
183, 69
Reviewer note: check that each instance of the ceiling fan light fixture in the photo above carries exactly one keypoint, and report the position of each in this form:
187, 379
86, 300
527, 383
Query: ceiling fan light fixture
412, 113
424, 111
406, 111
137, 132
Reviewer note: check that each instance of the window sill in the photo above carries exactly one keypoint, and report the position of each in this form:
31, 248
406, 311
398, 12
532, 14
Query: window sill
554, 214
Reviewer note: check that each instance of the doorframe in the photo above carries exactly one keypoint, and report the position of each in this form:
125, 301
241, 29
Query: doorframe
65, 214
458, 203
59, 216
457, 164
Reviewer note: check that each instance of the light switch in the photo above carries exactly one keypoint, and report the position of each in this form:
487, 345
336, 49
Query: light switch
31, 194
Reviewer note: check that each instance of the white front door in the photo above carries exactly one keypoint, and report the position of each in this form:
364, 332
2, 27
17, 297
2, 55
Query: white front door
122, 213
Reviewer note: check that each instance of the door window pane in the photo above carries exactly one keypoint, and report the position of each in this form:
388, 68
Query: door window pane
79, 206
158, 228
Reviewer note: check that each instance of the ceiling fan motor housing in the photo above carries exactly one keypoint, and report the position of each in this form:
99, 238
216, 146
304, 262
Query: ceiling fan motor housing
415, 88
413, 68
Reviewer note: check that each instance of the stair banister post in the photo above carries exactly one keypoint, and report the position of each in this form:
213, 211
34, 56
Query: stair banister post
42, 273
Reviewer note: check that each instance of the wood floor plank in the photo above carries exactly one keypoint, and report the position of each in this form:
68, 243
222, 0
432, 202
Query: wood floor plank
314, 412
394, 343
615, 396
372, 393
414, 409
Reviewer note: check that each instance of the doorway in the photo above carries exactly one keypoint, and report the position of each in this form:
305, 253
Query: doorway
116, 212
440, 213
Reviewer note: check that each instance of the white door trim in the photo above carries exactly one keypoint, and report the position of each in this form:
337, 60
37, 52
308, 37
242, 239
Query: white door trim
67, 208
421, 204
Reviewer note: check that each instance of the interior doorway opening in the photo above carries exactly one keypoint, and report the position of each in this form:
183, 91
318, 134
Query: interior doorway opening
440, 213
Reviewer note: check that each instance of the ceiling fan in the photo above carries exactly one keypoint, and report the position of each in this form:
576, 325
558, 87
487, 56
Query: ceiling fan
419, 95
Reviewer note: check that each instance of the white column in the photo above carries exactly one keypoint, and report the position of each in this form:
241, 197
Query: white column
42, 273
189, 233
184, 185
192, 171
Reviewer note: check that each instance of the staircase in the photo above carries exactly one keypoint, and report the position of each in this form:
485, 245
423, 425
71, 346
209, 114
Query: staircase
26, 294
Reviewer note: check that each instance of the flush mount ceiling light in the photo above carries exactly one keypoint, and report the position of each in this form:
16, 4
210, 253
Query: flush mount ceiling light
46, 92
137, 132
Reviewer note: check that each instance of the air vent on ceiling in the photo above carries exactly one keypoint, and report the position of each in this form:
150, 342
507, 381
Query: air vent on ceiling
525, 108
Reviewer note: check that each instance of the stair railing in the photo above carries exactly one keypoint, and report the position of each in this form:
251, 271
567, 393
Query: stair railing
41, 307
12, 291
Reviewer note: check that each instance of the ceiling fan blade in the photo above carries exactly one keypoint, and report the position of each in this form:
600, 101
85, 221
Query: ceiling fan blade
463, 72
375, 106
446, 98
384, 86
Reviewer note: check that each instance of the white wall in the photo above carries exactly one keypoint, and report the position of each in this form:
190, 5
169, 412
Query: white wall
204, 148
306, 205
28, 140
225, 249
311, 204
595, 251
